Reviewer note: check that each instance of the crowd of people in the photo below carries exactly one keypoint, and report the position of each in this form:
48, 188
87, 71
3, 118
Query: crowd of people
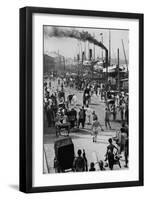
116, 103
57, 106
60, 110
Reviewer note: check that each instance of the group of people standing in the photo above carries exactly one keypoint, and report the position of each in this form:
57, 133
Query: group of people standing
56, 107
118, 105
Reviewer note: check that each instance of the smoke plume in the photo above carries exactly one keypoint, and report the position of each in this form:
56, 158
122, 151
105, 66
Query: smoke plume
72, 33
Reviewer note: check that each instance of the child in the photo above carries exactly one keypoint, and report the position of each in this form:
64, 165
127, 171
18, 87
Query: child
92, 168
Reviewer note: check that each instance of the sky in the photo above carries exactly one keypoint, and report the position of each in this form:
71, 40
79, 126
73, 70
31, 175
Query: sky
70, 47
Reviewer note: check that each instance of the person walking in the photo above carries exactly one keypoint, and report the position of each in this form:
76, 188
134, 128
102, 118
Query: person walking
82, 117
122, 109
110, 153
107, 118
114, 112
88, 114
86, 96
94, 116
95, 129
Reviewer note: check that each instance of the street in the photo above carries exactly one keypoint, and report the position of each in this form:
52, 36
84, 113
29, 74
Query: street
82, 138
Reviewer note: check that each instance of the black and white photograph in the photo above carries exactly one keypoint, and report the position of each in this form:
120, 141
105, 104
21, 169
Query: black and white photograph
81, 98
85, 99
73, 79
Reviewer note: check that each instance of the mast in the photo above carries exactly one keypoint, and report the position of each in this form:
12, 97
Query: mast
85, 49
94, 48
118, 75
102, 43
109, 47
81, 49
94, 51
125, 54
64, 65
88, 51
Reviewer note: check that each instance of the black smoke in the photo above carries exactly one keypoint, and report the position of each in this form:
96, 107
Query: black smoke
73, 33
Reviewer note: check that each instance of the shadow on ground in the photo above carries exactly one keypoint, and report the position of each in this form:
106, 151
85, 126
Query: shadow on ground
14, 187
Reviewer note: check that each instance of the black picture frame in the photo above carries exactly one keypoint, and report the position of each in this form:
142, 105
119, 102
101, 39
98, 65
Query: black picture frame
26, 103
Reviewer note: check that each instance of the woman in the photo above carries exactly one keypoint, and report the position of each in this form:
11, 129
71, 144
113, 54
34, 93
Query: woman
96, 124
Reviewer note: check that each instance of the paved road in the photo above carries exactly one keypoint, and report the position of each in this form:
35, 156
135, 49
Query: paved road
82, 138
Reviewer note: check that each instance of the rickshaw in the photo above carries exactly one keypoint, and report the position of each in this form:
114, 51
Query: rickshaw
72, 118
64, 155
61, 125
